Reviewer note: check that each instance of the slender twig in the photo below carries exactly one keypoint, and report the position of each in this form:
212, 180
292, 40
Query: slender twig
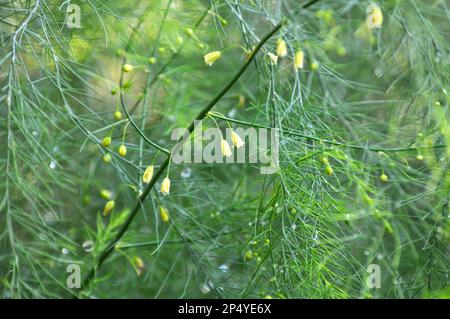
132, 122
164, 165
313, 138
152, 80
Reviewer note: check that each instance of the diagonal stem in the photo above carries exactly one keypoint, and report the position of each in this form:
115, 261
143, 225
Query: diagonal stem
202, 114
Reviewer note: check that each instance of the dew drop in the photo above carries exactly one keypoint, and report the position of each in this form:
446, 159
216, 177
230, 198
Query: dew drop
186, 173
316, 236
50, 218
232, 113
88, 246
53, 164
223, 268
205, 288
378, 72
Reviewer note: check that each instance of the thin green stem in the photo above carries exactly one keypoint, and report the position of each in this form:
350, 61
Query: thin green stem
313, 138
165, 164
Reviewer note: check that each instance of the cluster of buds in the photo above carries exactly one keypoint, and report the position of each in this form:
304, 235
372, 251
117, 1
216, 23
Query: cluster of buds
225, 147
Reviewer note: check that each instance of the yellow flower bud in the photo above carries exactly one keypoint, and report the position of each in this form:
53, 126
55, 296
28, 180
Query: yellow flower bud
127, 85
324, 160
212, 57
122, 150
179, 40
106, 141
106, 158
241, 102
329, 170
106, 194
139, 265
299, 58
152, 60
189, 32
109, 206
281, 48
113, 91
139, 262
117, 115
148, 174
164, 213
248, 255
225, 148
314, 66
237, 141
127, 68
165, 186
419, 157
374, 16
384, 178
273, 58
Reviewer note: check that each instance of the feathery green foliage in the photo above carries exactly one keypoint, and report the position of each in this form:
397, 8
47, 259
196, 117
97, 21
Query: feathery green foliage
364, 138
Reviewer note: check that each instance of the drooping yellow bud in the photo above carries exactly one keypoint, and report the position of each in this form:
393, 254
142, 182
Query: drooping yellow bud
212, 57
127, 68
106, 141
237, 141
122, 150
314, 66
248, 255
148, 174
241, 101
374, 16
165, 186
273, 58
164, 213
189, 32
109, 206
139, 265
384, 178
225, 148
329, 170
106, 194
419, 157
117, 115
152, 60
113, 91
281, 48
299, 59
106, 158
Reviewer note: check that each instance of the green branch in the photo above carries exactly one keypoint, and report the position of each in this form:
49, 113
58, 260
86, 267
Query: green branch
313, 138
203, 113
